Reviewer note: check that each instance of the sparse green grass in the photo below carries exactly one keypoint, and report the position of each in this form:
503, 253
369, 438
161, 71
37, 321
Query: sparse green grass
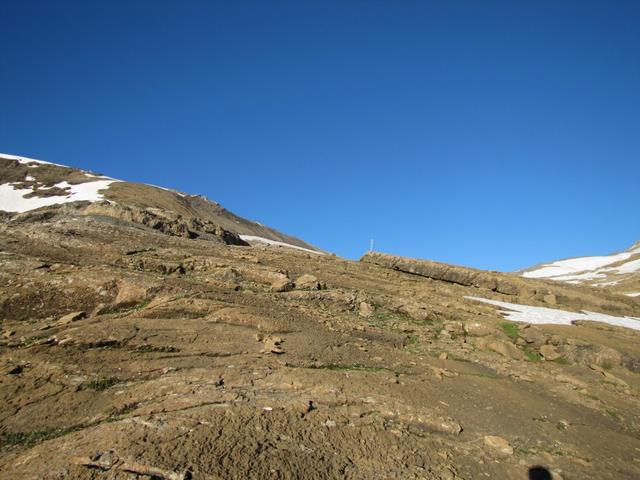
458, 358
29, 439
613, 414
100, 384
561, 361
526, 451
510, 329
412, 345
117, 415
154, 348
412, 340
127, 309
381, 317
607, 365
29, 341
347, 367
531, 355
492, 376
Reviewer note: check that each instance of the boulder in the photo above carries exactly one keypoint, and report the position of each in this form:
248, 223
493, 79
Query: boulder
308, 282
504, 348
282, 285
478, 329
415, 311
587, 354
549, 352
272, 345
533, 336
454, 328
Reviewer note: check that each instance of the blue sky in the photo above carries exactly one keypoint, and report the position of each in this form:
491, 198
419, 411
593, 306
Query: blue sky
491, 134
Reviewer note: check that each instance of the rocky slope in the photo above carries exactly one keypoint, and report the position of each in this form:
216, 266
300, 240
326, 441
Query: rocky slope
28, 185
133, 351
618, 272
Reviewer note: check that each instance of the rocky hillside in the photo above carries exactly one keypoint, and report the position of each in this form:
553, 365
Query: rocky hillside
618, 272
28, 185
143, 338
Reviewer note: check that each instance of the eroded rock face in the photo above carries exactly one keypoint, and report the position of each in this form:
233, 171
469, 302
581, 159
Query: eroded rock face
166, 222
510, 285
467, 277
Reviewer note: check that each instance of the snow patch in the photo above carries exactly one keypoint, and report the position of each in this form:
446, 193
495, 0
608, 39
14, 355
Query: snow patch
633, 294
543, 315
252, 238
629, 267
574, 266
13, 199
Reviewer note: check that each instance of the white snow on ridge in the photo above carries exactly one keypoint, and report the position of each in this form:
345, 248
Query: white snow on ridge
629, 267
252, 238
574, 266
633, 294
12, 199
578, 270
543, 315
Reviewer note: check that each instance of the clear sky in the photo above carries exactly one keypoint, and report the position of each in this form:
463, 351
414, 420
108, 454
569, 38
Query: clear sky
495, 134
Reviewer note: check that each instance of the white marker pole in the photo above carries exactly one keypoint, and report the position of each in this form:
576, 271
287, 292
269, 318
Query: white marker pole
371, 246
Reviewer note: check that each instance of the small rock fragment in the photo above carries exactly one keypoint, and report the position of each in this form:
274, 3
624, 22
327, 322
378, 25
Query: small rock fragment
365, 309
71, 317
272, 345
498, 444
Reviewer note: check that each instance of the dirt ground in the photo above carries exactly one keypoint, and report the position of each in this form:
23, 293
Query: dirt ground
128, 354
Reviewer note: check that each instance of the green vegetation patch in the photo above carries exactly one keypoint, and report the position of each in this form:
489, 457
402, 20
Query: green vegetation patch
100, 384
531, 355
510, 329
607, 365
351, 366
126, 309
155, 348
29, 439
381, 317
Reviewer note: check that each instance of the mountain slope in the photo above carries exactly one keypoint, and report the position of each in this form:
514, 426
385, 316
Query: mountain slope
618, 272
141, 339
27, 185
126, 348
